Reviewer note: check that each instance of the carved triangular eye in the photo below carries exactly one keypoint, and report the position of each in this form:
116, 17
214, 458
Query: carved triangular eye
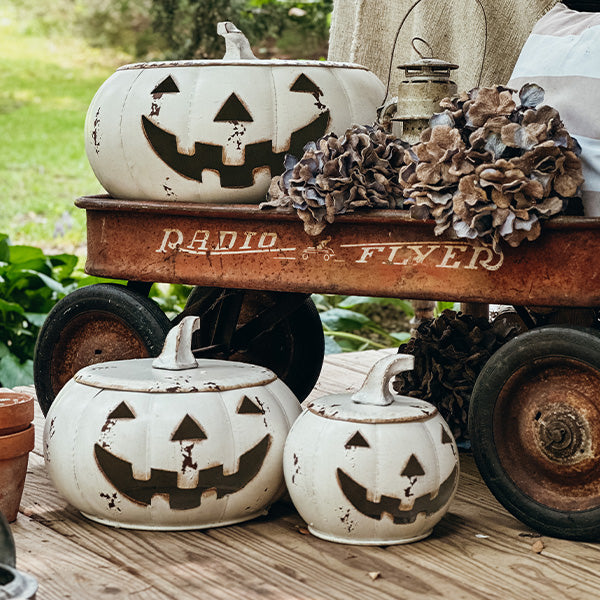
166, 86
233, 110
357, 441
248, 407
304, 84
188, 430
413, 467
122, 411
446, 438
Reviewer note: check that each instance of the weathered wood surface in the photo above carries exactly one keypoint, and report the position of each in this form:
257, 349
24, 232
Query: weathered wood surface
478, 551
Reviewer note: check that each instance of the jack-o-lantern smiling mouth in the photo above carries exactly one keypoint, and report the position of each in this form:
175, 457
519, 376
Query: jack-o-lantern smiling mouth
357, 496
163, 482
210, 156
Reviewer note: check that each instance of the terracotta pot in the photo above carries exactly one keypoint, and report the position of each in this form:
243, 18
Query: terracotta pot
16, 441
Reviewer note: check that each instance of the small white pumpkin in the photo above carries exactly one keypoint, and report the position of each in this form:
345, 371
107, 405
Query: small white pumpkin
371, 468
174, 443
218, 130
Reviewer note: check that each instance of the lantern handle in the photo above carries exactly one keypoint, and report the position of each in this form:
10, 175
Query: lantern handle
485, 41
376, 387
412, 43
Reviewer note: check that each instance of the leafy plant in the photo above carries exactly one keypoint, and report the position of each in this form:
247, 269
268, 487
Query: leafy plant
348, 327
31, 282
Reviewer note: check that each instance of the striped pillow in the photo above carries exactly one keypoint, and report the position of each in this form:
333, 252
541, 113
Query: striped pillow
562, 54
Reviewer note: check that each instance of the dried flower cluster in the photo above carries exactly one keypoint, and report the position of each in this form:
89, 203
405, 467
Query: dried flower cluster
488, 168
339, 175
450, 352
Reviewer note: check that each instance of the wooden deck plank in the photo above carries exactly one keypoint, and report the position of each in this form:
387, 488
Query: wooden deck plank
477, 551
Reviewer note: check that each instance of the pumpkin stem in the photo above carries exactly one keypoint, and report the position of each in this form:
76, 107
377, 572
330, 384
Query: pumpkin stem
177, 351
376, 388
237, 45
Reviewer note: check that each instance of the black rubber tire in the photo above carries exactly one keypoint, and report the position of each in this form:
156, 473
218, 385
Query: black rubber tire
511, 438
293, 348
94, 324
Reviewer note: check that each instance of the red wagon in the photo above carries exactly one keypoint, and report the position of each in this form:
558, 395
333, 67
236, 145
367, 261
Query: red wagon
535, 411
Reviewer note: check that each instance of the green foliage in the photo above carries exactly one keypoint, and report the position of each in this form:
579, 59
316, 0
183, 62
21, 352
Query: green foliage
171, 297
46, 86
31, 282
348, 329
183, 29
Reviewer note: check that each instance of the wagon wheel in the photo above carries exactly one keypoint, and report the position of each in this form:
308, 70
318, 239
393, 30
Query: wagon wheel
534, 424
278, 330
91, 325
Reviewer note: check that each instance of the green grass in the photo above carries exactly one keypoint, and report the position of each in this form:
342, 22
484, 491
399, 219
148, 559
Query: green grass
46, 85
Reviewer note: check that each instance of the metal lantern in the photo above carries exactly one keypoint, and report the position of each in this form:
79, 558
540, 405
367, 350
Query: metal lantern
425, 83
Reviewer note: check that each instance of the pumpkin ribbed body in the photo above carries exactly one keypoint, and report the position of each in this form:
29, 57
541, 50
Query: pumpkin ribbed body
217, 131
170, 459
371, 468
370, 483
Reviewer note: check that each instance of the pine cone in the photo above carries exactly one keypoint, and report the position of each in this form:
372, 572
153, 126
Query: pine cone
450, 352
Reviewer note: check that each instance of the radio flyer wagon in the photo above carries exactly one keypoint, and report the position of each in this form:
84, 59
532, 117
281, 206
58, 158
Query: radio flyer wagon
535, 409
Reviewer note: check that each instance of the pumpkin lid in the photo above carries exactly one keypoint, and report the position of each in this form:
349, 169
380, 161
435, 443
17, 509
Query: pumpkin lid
374, 402
258, 62
175, 370
138, 375
341, 407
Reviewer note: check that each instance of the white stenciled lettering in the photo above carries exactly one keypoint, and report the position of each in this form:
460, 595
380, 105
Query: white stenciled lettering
224, 235
391, 258
487, 262
450, 254
368, 253
167, 241
420, 258
249, 235
267, 240
200, 240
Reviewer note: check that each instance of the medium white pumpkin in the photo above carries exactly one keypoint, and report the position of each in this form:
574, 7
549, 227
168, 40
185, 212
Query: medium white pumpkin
132, 445
371, 468
217, 130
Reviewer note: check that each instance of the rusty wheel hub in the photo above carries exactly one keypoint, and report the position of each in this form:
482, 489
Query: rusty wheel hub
91, 338
547, 432
563, 434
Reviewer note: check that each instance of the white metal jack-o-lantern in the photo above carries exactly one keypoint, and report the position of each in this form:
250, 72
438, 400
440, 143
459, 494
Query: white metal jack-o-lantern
218, 130
170, 443
371, 468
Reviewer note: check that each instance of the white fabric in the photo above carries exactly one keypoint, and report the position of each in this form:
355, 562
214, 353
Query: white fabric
562, 55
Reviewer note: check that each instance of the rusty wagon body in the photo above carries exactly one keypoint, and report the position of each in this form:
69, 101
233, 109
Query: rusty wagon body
535, 413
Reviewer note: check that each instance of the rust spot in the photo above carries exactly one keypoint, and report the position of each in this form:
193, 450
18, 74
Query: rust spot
112, 500
95, 133
187, 457
155, 106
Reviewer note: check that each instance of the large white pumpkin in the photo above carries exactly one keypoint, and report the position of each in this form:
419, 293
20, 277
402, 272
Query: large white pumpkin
217, 130
136, 446
371, 468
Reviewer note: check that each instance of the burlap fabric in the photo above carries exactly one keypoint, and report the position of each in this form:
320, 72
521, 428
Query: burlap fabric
364, 31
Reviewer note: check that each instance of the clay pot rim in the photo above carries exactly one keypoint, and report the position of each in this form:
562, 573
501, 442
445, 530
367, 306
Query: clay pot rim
16, 411
17, 444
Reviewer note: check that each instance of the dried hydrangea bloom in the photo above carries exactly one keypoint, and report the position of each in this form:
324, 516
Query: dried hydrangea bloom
488, 103
338, 175
434, 154
518, 165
